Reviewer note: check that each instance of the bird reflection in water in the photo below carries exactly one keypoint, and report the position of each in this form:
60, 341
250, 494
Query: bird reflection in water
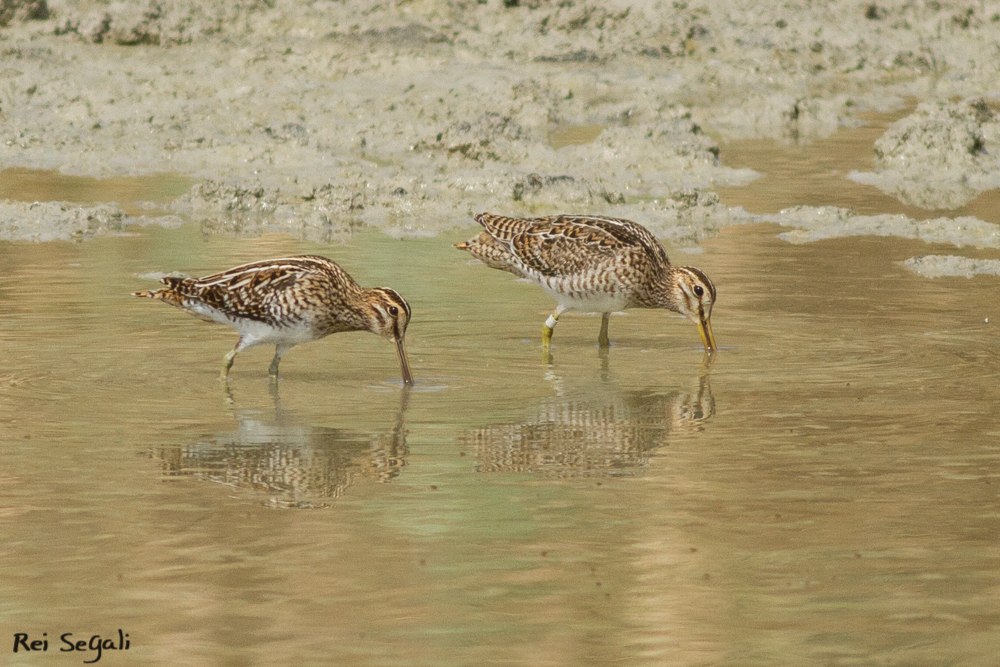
613, 434
297, 465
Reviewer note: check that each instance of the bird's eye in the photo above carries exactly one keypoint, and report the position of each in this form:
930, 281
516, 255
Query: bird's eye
393, 311
699, 290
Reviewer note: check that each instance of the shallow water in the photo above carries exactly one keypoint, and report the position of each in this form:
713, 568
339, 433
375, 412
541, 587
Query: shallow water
137, 195
816, 174
824, 492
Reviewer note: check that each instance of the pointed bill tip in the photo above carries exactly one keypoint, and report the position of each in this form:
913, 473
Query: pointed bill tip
707, 338
404, 363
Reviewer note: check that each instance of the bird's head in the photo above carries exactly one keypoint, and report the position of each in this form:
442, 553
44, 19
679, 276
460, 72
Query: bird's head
693, 295
390, 315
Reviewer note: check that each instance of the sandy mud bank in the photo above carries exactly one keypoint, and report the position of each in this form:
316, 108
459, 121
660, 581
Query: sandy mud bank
65, 221
939, 157
939, 266
316, 117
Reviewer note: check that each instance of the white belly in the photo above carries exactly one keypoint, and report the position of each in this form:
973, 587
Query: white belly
589, 302
254, 332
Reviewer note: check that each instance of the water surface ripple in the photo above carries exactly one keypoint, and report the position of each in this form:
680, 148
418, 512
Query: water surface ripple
825, 492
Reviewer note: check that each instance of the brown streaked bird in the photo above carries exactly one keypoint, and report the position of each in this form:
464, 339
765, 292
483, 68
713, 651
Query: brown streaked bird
594, 264
288, 301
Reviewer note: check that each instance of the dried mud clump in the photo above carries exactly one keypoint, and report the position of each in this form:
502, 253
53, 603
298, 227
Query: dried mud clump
54, 220
940, 266
158, 22
22, 10
324, 214
787, 118
939, 157
575, 192
826, 222
491, 137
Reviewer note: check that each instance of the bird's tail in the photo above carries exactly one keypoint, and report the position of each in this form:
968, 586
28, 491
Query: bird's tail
464, 245
167, 294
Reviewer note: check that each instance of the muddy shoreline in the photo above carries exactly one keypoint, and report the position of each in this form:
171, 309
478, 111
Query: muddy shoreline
316, 117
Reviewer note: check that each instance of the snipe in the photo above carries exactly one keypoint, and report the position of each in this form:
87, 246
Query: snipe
594, 264
288, 301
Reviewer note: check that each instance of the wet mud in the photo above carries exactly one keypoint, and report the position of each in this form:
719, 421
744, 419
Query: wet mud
316, 118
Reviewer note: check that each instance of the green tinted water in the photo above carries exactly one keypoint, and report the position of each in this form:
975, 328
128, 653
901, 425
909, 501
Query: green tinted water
825, 492
137, 195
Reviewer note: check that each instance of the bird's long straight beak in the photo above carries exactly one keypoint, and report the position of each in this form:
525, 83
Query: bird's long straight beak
403, 363
705, 329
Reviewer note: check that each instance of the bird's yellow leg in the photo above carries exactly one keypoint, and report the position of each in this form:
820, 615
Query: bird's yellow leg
550, 325
227, 362
602, 338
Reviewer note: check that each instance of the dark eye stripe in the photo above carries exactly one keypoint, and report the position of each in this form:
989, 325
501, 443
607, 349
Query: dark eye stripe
703, 278
395, 300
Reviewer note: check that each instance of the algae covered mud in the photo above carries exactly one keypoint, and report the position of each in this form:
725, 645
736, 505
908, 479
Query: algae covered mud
823, 492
